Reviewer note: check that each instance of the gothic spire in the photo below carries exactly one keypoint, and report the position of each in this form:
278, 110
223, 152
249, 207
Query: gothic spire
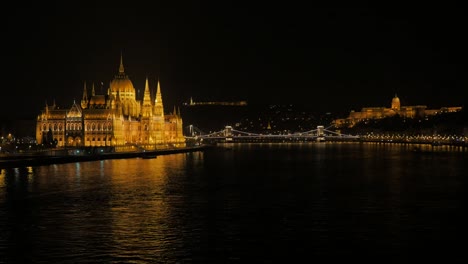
85, 93
84, 100
146, 107
158, 103
147, 91
158, 98
121, 68
158, 90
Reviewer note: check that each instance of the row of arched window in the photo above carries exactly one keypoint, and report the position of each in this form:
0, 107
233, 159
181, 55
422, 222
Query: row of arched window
77, 126
98, 126
52, 126
98, 139
74, 126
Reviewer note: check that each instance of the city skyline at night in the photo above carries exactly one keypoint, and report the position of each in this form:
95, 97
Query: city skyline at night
232, 131
328, 59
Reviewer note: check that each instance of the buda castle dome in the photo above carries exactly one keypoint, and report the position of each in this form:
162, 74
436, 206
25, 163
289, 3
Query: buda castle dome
396, 103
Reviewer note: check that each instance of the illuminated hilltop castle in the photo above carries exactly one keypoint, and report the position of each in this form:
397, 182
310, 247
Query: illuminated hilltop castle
415, 111
114, 119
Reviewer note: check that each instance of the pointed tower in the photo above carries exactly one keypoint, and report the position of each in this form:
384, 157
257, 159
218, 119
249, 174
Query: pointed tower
146, 110
158, 103
159, 120
121, 68
84, 100
93, 93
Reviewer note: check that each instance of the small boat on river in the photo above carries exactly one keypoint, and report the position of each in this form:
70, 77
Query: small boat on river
149, 156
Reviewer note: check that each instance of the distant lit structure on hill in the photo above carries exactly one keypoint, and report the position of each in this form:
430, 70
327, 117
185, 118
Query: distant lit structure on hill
237, 103
112, 119
415, 111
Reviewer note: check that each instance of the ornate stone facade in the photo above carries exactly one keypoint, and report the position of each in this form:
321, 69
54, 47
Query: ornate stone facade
117, 118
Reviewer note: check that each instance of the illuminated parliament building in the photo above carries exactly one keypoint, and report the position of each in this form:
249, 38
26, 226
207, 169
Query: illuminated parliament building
117, 118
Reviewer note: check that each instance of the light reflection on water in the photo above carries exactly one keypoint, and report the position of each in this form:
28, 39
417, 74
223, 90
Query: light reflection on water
236, 203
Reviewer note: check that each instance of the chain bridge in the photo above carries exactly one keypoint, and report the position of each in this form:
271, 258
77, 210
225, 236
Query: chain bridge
229, 134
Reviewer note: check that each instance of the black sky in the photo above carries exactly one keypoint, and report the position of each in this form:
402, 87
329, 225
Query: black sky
330, 59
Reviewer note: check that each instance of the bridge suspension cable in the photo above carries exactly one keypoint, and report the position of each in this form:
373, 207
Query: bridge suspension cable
229, 132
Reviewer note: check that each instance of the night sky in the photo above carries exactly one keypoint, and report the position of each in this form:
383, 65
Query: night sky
286, 53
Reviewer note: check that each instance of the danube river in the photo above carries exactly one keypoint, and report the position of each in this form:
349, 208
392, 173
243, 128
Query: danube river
261, 203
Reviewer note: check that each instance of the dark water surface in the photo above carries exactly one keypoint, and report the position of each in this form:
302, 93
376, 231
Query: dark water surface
262, 203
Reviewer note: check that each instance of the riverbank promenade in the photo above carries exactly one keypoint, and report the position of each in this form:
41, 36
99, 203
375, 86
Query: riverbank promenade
56, 156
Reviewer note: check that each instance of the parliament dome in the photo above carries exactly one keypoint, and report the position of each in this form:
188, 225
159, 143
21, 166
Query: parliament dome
122, 85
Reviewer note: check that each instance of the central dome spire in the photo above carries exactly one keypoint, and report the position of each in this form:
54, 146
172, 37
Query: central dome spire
121, 68
122, 87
